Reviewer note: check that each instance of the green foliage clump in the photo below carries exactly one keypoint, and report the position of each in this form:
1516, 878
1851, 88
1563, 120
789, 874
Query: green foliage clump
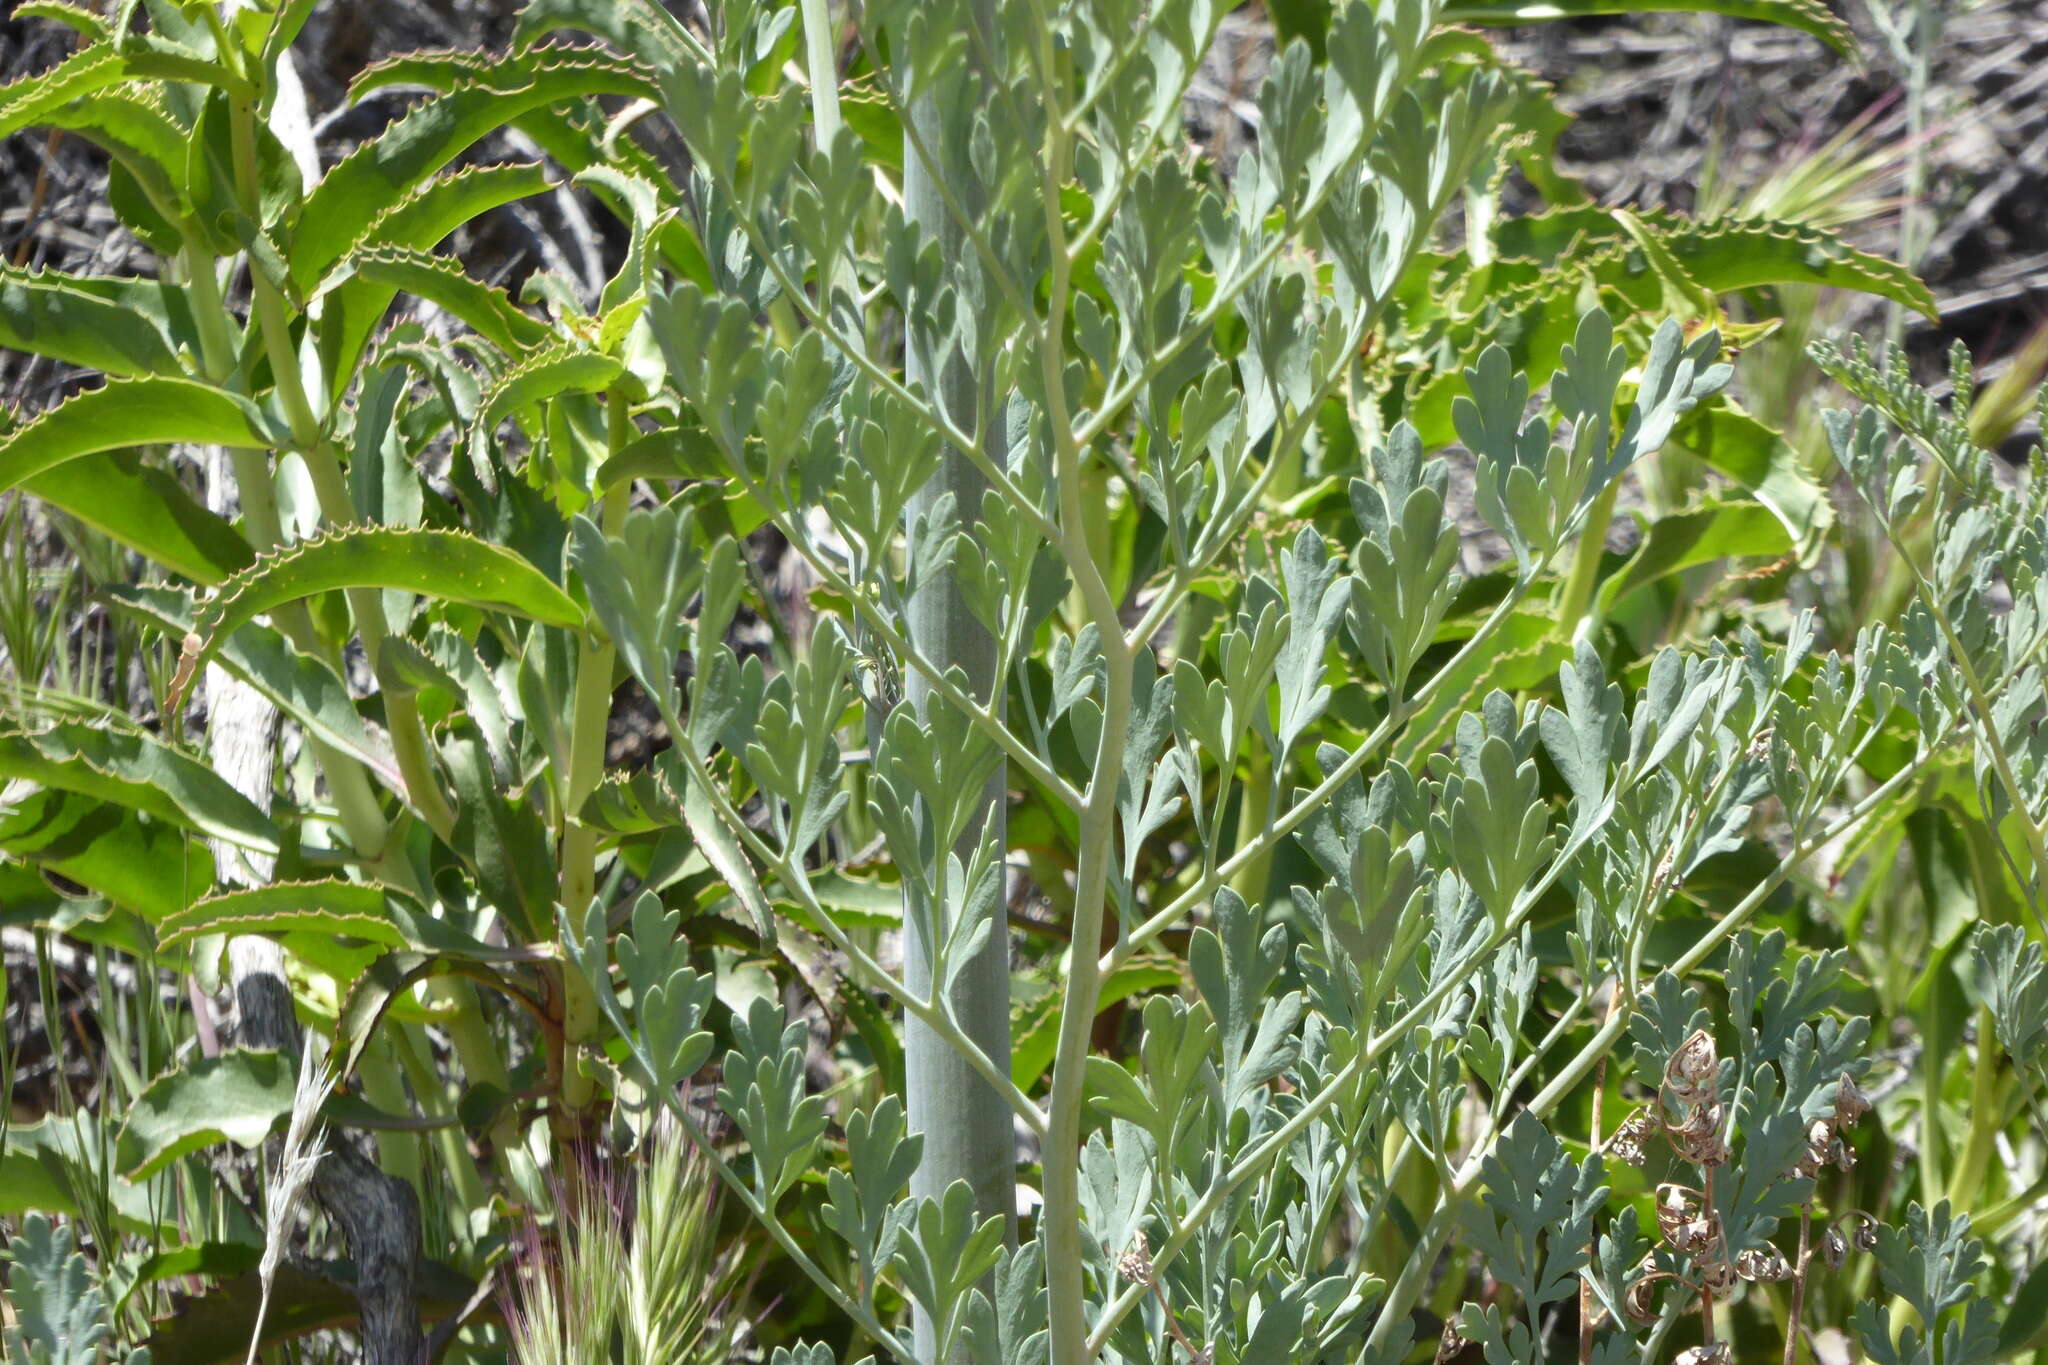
1212, 838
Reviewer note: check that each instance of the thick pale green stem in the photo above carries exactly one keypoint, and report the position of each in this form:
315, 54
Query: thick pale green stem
347, 783
1967, 1179
401, 716
967, 1127
1576, 596
467, 1029
397, 1153
416, 1055
210, 314
592, 717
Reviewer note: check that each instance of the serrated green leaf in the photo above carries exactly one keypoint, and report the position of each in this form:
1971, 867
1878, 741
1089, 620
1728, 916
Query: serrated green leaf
722, 848
136, 772
140, 864
1761, 462
44, 313
1035, 1029
236, 1097
25, 102
1701, 535
562, 369
147, 510
305, 688
448, 565
1722, 257
129, 412
83, 22
440, 280
305, 916
382, 983
354, 305
384, 170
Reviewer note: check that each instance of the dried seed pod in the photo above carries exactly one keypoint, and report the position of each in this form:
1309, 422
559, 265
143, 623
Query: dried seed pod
1851, 1103
1864, 1235
1716, 1354
1697, 1237
1675, 1209
1764, 1264
1135, 1265
1698, 1139
1690, 1076
1843, 1155
1628, 1141
1718, 1277
1834, 1248
1640, 1299
1451, 1343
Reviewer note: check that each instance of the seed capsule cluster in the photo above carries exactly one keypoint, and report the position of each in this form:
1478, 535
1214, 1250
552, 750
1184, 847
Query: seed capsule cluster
1689, 1115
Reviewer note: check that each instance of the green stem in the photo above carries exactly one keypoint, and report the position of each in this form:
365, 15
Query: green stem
401, 715
966, 1123
1060, 1218
415, 1054
474, 1046
1576, 596
592, 717
397, 1153
1254, 818
1967, 1179
216, 345
483, 1060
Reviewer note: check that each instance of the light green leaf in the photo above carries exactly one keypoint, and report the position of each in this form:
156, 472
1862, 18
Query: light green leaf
236, 1097
355, 304
83, 22
1681, 540
26, 101
140, 864
34, 1152
451, 565
384, 170
567, 368
136, 772
308, 916
303, 687
44, 313
147, 510
1722, 257
721, 847
1035, 1029
1760, 461
129, 412
440, 281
